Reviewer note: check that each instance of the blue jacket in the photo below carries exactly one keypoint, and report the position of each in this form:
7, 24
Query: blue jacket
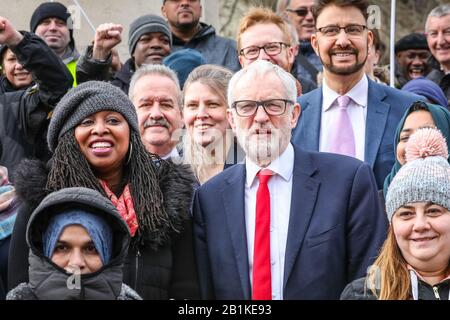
385, 108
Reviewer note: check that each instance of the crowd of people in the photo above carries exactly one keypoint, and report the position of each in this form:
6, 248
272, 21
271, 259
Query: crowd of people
162, 178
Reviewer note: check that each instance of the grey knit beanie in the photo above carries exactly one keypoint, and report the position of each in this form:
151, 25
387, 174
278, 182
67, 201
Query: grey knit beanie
146, 24
84, 100
426, 175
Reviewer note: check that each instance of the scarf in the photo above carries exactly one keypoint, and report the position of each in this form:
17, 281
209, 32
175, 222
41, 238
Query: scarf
8, 205
124, 205
441, 118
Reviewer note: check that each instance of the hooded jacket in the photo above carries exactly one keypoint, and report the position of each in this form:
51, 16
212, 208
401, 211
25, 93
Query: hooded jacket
215, 49
47, 281
158, 270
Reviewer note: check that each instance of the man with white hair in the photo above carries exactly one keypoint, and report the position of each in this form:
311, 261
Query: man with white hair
286, 224
437, 30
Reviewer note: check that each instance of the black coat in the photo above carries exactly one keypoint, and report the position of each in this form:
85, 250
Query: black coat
24, 113
169, 271
357, 290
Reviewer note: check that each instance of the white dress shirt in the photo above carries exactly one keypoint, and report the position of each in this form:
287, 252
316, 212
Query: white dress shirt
174, 154
280, 188
357, 111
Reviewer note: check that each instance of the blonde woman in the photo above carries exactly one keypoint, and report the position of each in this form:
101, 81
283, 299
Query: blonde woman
414, 262
209, 139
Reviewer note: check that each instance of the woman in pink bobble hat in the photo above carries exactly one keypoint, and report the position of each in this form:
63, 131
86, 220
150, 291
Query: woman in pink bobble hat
414, 263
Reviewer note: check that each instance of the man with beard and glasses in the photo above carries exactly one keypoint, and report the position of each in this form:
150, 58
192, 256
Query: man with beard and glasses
412, 58
149, 42
156, 95
285, 224
350, 114
183, 17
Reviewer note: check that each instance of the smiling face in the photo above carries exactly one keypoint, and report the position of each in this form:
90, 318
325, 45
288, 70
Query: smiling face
343, 54
204, 113
422, 231
55, 33
263, 137
304, 24
438, 38
414, 63
151, 48
75, 251
14, 71
182, 14
261, 34
104, 139
156, 99
415, 120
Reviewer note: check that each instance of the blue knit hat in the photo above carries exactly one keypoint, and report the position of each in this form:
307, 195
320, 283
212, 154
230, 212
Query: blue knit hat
426, 175
427, 88
183, 62
97, 228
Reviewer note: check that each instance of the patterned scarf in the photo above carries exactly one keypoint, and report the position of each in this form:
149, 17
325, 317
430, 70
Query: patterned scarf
124, 205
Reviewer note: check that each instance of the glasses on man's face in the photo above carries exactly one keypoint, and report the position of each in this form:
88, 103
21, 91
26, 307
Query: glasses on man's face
352, 30
273, 107
301, 12
271, 49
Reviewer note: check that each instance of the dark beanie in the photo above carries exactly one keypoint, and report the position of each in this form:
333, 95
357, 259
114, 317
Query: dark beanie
52, 10
146, 24
48, 10
427, 88
183, 62
84, 100
412, 41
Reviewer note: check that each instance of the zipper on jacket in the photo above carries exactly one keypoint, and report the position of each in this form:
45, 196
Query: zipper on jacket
138, 254
436, 292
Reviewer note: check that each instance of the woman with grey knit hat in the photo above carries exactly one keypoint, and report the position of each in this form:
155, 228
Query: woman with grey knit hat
414, 262
95, 140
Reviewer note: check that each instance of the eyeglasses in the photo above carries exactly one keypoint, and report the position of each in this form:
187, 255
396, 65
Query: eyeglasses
353, 30
301, 12
273, 107
271, 49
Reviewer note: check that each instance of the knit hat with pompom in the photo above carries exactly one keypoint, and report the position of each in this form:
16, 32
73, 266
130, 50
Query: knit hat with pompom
426, 175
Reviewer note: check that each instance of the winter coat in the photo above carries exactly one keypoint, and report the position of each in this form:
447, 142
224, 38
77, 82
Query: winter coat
169, 271
215, 49
91, 69
357, 290
442, 80
47, 281
24, 114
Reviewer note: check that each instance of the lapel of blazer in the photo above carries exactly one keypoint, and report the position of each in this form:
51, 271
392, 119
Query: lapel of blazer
377, 115
310, 122
233, 196
304, 194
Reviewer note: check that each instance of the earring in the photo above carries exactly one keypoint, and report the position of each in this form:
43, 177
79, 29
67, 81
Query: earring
129, 154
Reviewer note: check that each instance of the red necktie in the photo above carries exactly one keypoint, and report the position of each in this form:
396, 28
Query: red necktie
262, 279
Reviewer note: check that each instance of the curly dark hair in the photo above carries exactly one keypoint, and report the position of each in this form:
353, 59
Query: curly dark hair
70, 168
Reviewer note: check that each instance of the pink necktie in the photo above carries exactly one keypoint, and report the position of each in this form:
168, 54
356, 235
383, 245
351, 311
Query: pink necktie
342, 138
262, 278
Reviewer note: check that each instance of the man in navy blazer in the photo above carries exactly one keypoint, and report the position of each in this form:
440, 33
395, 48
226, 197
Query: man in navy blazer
342, 41
326, 224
